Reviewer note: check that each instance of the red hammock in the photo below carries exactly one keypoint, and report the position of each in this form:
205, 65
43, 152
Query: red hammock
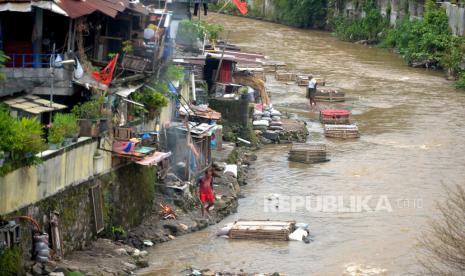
105, 76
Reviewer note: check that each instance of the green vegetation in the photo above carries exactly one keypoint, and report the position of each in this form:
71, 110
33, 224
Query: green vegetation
118, 232
11, 262
89, 110
153, 97
302, 13
427, 42
20, 140
369, 28
128, 48
3, 59
174, 73
190, 31
67, 122
56, 135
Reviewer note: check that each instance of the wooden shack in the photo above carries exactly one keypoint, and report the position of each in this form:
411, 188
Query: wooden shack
342, 131
329, 94
308, 153
262, 229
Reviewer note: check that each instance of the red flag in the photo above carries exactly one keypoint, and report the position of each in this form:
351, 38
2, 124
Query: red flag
106, 74
241, 5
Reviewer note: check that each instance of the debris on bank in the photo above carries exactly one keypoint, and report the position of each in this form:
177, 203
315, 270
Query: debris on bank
209, 272
266, 229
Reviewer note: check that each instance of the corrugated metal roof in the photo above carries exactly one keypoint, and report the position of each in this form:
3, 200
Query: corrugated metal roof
78, 8
33, 104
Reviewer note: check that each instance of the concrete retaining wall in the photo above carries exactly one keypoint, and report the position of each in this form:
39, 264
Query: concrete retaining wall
59, 170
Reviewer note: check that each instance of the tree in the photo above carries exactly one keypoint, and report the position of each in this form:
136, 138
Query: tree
443, 248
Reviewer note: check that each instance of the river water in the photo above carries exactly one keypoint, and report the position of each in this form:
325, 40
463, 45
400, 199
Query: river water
412, 143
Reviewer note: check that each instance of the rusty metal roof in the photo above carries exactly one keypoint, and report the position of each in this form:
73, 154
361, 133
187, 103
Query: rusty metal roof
78, 8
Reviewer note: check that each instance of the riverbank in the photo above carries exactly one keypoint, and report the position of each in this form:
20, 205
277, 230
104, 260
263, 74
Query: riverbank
129, 252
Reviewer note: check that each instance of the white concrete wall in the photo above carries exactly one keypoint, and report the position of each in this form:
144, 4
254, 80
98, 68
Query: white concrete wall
456, 18
59, 170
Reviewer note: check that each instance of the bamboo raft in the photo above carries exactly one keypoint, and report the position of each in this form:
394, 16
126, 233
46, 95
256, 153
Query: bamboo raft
262, 229
308, 153
329, 94
342, 131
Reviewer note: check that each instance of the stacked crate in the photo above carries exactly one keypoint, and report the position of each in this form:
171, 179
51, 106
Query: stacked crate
337, 124
308, 153
262, 229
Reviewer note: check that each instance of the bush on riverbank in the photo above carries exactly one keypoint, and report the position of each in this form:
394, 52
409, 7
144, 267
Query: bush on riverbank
369, 28
302, 14
427, 42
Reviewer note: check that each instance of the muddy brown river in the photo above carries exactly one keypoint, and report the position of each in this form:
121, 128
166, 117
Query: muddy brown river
412, 125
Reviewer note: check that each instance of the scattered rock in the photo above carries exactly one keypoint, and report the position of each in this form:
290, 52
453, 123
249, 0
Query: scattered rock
121, 252
171, 237
37, 269
49, 267
136, 253
142, 263
148, 243
144, 253
129, 266
56, 274
184, 227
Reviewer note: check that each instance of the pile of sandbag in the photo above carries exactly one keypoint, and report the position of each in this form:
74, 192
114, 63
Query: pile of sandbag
268, 122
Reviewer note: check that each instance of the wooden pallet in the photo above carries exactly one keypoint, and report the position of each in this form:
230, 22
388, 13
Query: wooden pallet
329, 94
335, 121
308, 153
285, 76
342, 131
262, 229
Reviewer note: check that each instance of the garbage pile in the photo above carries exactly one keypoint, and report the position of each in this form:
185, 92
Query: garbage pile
267, 123
167, 212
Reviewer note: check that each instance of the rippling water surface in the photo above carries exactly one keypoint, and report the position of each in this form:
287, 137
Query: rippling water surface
413, 141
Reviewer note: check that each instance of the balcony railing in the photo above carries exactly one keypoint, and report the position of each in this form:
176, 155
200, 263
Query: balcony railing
28, 60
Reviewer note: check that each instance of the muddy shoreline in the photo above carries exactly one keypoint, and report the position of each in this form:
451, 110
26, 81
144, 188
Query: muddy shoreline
129, 253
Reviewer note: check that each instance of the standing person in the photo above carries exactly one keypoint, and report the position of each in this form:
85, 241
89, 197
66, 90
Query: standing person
206, 191
311, 91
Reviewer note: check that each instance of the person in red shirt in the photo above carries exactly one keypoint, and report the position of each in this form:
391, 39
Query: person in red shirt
206, 191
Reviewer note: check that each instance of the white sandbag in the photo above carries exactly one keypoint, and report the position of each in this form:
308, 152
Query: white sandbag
276, 123
298, 234
261, 123
231, 169
275, 112
225, 230
276, 118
